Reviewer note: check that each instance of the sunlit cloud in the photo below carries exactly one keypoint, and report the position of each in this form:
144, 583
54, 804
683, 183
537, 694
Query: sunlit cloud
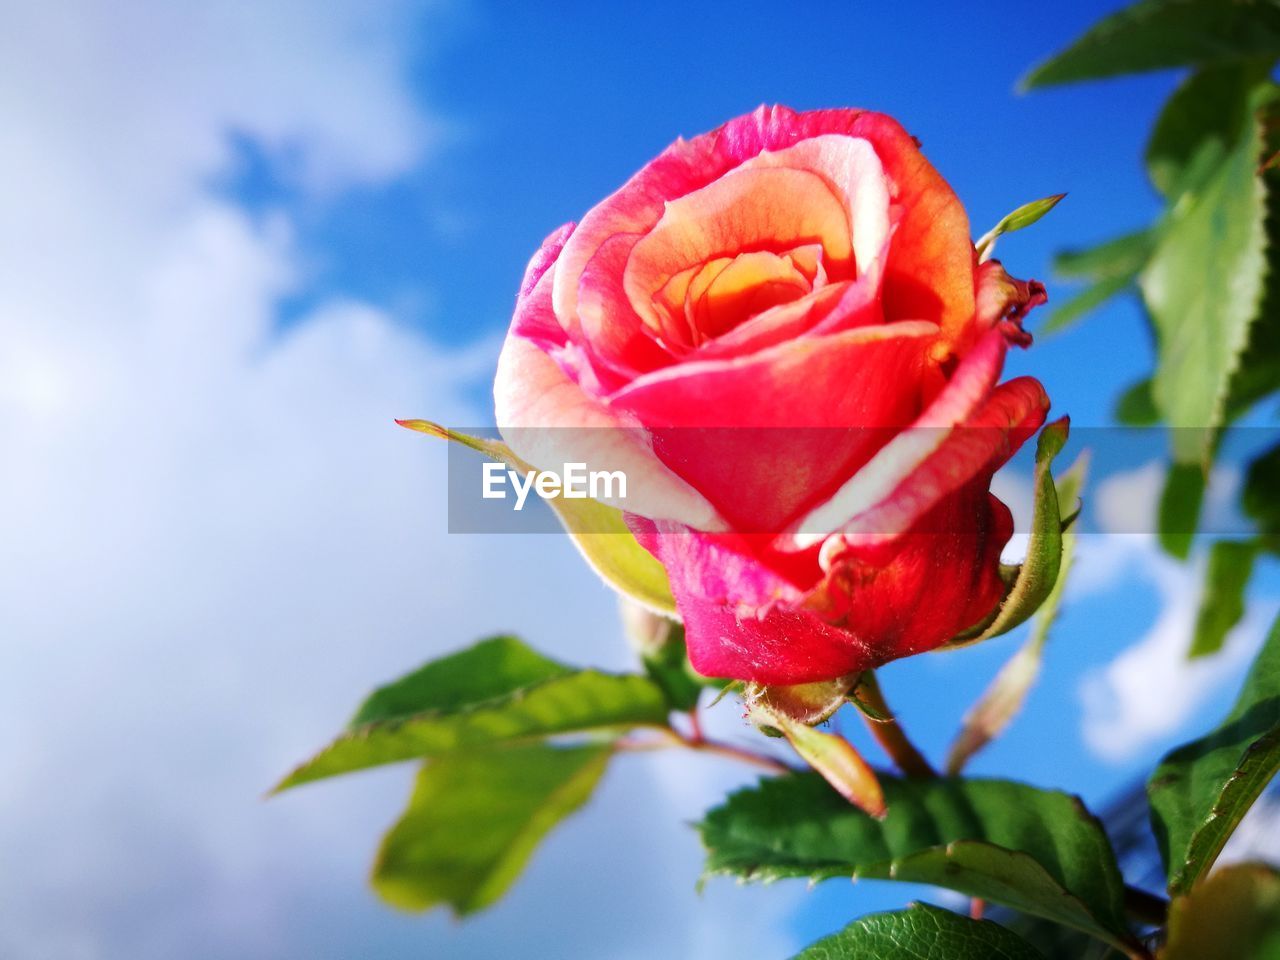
1150, 690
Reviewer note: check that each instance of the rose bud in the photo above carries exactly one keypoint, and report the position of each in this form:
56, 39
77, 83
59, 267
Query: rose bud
781, 332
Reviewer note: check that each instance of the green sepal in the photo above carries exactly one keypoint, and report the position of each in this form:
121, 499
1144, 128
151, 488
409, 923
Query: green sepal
1032, 581
596, 529
1002, 700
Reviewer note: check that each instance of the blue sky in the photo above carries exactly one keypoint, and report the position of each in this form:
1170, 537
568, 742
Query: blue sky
238, 240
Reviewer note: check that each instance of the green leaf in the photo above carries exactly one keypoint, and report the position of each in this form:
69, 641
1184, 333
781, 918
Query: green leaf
1222, 605
496, 692
491, 668
1201, 790
1154, 34
921, 932
1111, 267
1023, 216
474, 820
1259, 372
1200, 123
1235, 914
1085, 302
1036, 851
1002, 700
1035, 578
1203, 285
1122, 256
596, 529
1179, 512
1135, 408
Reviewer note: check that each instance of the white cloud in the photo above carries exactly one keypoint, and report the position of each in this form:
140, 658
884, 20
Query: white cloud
1149, 691
1014, 489
214, 538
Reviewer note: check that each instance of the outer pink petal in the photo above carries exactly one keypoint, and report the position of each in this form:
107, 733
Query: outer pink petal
778, 442
741, 620
745, 622
548, 421
984, 443
938, 580
534, 317
964, 394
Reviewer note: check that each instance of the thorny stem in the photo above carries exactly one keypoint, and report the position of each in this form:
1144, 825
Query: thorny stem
673, 738
889, 733
695, 726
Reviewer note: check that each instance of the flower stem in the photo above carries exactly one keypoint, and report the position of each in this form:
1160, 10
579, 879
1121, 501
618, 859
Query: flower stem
889, 733
673, 738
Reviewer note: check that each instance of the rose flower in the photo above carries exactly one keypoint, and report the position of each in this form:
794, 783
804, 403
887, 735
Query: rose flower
781, 332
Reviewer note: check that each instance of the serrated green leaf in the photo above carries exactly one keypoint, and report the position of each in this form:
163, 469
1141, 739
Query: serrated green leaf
1023, 216
1121, 256
1036, 851
1179, 510
1038, 573
596, 529
921, 932
1201, 790
1235, 914
1222, 603
1258, 375
1202, 117
1155, 34
448, 706
1004, 697
474, 820
1135, 407
1203, 284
